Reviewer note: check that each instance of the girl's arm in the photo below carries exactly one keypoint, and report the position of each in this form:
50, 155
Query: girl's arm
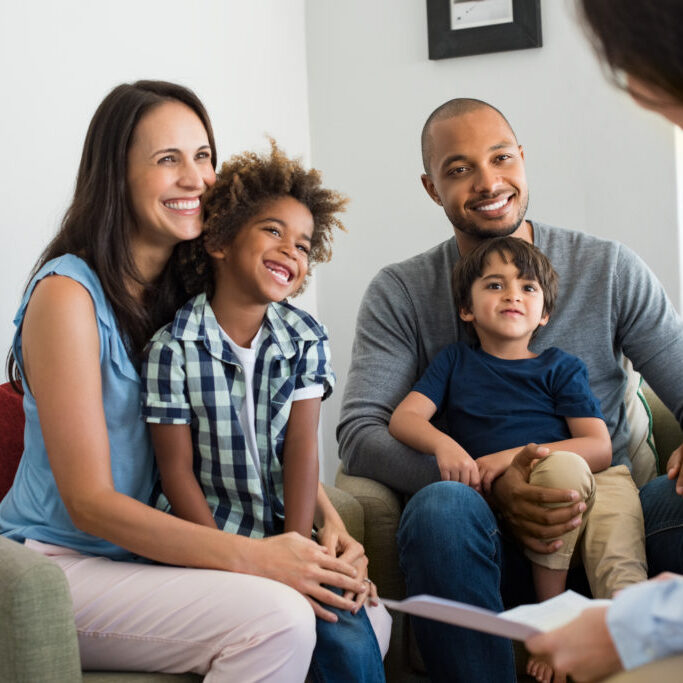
173, 451
300, 465
590, 439
410, 424
60, 348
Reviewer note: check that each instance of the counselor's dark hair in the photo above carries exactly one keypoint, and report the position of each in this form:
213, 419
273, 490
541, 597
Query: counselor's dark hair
244, 186
641, 38
99, 223
529, 260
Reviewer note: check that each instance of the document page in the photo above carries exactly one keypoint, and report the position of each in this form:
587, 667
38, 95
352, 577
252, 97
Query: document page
519, 623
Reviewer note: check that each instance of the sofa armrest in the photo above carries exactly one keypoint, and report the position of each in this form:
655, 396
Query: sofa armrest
37, 633
666, 431
382, 509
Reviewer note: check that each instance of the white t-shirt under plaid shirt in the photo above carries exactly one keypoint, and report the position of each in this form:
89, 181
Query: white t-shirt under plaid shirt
191, 376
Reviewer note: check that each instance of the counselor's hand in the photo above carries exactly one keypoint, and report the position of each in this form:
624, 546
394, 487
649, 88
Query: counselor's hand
523, 504
305, 566
583, 648
674, 469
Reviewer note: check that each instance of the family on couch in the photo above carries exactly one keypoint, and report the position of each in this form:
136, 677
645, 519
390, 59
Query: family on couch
229, 586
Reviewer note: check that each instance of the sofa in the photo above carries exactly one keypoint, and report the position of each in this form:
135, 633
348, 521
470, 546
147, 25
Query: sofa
382, 510
38, 642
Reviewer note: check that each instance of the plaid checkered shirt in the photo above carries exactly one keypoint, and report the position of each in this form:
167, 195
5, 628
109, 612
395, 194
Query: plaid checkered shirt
190, 376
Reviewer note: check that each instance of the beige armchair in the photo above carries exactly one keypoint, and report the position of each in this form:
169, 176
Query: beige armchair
382, 509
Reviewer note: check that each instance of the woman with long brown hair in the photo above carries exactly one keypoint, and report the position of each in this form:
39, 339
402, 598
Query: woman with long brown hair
222, 605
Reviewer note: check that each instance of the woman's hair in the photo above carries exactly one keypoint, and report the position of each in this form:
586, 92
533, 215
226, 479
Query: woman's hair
99, 223
244, 185
641, 38
529, 260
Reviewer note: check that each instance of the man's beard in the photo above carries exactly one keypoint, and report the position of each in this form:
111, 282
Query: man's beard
475, 230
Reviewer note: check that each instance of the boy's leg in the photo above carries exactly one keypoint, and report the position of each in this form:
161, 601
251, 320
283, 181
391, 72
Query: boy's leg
140, 617
450, 546
613, 543
347, 650
564, 470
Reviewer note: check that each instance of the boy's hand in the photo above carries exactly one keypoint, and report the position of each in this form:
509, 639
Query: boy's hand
492, 466
456, 464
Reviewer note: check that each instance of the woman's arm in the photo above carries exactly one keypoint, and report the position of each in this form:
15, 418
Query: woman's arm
173, 452
300, 465
60, 348
410, 424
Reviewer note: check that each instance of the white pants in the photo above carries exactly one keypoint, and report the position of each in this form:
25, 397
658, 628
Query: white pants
226, 626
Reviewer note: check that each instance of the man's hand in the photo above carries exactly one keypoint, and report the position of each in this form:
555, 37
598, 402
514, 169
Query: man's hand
523, 505
456, 464
674, 469
583, 648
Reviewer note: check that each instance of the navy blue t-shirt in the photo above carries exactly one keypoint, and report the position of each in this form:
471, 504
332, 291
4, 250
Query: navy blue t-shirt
493, 404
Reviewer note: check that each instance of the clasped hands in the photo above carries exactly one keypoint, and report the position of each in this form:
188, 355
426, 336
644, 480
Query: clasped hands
505, 484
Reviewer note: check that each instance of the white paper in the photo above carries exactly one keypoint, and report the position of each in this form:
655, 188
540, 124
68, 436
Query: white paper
519, 623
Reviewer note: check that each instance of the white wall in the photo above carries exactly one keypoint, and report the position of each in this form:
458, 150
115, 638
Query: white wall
595, 161
246, 59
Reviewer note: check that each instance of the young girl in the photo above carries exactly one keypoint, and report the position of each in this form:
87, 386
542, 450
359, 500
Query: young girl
234, 383
232, 608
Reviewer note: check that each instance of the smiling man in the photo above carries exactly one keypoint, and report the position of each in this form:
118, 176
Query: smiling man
610, 305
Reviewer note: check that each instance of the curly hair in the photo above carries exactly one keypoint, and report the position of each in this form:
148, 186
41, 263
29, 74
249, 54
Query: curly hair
244, 185
530, 261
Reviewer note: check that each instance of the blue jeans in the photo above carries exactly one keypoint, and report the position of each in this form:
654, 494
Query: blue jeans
663, 512
346, 650
450, 545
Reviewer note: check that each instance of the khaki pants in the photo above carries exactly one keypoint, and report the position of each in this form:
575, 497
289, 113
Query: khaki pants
611, 537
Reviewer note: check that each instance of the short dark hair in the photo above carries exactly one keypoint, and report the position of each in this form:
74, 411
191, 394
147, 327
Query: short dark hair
244, 185
641, 38
530, 261
449, 110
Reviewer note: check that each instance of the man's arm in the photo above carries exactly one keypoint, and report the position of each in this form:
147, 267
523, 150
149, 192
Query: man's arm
384, 368
651, 335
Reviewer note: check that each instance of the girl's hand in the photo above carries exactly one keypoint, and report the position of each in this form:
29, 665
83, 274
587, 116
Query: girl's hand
307, 567
339, 542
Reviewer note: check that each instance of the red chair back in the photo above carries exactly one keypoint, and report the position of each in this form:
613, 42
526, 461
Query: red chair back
11, 435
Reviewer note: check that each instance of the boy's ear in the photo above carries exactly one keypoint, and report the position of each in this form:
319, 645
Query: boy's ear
544, 319
466, 315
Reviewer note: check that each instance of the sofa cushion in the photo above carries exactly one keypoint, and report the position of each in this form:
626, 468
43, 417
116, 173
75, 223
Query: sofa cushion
11, 435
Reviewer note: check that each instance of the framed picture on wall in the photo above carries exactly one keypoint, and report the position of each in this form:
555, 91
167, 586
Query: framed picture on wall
473, 27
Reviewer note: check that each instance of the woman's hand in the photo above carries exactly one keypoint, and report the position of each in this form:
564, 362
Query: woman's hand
307, 567
339, 543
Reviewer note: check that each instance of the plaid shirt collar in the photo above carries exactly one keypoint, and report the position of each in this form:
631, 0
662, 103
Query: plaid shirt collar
196, 321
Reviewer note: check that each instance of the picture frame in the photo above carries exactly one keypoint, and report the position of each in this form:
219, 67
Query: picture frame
457, 28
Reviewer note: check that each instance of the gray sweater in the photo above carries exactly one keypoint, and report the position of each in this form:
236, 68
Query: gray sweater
610, 304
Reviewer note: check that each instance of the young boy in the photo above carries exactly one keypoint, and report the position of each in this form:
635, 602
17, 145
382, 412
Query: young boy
500, 396
233, 385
